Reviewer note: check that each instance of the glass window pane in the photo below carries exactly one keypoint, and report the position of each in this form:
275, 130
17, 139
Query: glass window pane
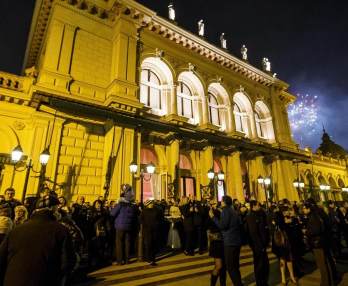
143, 94
155, 98
154, 79
214, 112
187, 108
179, 103
144, 76
239, 125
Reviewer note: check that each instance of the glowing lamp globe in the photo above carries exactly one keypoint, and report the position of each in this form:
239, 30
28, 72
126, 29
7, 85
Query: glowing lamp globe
44, 157
221, 176
211, 174
150, 168
133, 167
16, 154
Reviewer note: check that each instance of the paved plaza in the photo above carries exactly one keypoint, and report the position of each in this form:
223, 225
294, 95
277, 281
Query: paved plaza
178, 269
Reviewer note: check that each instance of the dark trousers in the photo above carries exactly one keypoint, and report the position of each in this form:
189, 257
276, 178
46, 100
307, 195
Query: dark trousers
324, 264
201, 235
189, 241
261, 266
123, 239
232, 254
150, 241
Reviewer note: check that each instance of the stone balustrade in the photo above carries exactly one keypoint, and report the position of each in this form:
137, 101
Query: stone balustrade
10, 81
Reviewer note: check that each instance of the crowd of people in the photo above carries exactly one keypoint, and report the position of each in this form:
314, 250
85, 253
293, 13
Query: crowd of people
47, 240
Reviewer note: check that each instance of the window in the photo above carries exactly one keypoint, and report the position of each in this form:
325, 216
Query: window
259, 126
214, 111
184, 101
238, 117
150, 89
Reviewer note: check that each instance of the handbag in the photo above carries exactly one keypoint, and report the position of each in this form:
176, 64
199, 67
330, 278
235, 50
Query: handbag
214, 236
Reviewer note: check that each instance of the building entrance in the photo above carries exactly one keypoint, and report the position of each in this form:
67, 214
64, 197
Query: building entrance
188, 187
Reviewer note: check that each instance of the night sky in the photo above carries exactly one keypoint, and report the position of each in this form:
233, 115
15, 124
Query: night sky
305, 40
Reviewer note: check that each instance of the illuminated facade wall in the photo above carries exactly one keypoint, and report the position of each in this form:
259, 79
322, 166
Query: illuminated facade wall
108, 83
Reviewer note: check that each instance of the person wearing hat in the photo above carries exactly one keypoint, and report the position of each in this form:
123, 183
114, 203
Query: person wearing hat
38, 252
151, 218
125, 216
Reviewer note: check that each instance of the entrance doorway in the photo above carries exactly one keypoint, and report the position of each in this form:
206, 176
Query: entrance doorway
188, 187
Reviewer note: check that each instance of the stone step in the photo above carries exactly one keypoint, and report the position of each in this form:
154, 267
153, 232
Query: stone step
171, 268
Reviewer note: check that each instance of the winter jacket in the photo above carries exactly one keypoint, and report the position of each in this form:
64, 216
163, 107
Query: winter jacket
126, 216
36, 253
257, 230
151, 219
230, 226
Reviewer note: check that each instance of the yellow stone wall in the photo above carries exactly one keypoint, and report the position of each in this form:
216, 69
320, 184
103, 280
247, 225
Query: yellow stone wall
89, 54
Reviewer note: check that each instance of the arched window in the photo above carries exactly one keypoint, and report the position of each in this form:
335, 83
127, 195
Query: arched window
263, 121
184, 100
259, 127
238, 118
150, 89
214, 110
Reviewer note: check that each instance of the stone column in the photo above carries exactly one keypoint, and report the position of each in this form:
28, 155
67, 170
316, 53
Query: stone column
205, 110
173, 100
234, 179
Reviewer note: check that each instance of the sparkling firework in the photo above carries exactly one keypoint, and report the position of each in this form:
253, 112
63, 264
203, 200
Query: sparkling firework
303, 116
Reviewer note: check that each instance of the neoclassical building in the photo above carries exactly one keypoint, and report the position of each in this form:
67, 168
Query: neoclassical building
107, 83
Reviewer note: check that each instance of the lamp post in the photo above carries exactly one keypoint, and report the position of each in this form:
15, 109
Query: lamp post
324, 187
265, 182
299, 185
215, 179
150, 169
16, 157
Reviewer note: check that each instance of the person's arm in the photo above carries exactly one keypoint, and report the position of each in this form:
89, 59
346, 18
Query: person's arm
115, 211
224, 222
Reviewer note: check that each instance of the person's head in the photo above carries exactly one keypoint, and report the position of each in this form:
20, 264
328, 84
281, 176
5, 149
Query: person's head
2, 199
306, 208
226, 201
48, 202
21, 212
255, 205
236, 202
331, 204
10, 194
5, 210
345, 204
80, 200
97, 204
62, 201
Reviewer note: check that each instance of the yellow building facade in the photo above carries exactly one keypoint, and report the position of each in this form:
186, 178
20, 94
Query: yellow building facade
108, 83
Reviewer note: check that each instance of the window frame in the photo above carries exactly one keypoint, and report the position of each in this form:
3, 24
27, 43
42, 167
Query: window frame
182, 97
150, 85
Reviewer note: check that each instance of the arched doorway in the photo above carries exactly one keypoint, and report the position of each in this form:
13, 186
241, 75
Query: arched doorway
151, 187
187, 181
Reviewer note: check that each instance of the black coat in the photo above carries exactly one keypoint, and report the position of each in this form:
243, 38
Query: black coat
37, 253
151, 219
257, 230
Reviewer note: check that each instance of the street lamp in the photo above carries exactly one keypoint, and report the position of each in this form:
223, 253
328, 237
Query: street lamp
150, 169
265, 182
299, 185
16, 156
215, 179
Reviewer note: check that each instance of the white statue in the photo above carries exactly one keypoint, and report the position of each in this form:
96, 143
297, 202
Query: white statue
171, 11
223, 41
244, 52
266, 64
201, 28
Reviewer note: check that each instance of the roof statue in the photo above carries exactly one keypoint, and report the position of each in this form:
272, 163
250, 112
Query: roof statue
171, 11
244, 52
266, 65
329, 147
201, 28
223, 41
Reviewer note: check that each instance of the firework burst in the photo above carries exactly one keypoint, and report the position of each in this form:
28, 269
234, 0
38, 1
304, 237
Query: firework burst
303, 116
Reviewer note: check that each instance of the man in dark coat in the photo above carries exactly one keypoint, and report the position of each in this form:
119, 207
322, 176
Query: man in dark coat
230, 227
318, 239
258, 234
125, 216
151, 219
187, 211
38, 252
